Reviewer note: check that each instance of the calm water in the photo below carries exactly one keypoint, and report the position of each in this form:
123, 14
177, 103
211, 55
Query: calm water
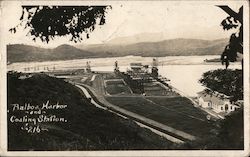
183, 71
186, 77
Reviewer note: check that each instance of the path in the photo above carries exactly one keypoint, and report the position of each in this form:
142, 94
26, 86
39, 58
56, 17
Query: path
145, 121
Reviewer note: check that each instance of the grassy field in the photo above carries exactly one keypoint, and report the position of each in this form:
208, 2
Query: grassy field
180, 104
155, 89
117, 87
176, 112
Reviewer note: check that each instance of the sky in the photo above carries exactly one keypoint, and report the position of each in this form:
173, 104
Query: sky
174, 19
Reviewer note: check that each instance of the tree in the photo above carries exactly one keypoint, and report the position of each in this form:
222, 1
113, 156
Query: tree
227, 134
226, 81
234, 20
47, 22
231, 134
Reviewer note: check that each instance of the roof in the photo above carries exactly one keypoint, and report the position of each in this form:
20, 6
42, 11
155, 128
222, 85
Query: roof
135, 64
136, 67
215, 97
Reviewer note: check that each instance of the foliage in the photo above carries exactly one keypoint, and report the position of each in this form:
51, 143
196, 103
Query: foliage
234, 20
227, 134
226, 81
47, 22
231, 133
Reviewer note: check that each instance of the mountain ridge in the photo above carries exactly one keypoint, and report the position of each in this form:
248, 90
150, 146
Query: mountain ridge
169, 47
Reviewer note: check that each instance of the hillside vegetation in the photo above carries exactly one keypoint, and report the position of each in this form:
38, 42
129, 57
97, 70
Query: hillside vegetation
27, 53
87, 127
171, 47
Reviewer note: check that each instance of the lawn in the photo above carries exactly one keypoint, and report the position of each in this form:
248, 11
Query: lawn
116, 87
155, 89
180, 104
176, 112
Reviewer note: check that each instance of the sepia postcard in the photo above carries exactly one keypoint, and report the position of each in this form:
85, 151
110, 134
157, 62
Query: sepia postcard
124, 78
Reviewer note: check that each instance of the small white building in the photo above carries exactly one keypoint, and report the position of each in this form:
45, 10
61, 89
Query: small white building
218, 102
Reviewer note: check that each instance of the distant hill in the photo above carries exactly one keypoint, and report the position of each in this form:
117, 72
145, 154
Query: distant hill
172, 47
27, 53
